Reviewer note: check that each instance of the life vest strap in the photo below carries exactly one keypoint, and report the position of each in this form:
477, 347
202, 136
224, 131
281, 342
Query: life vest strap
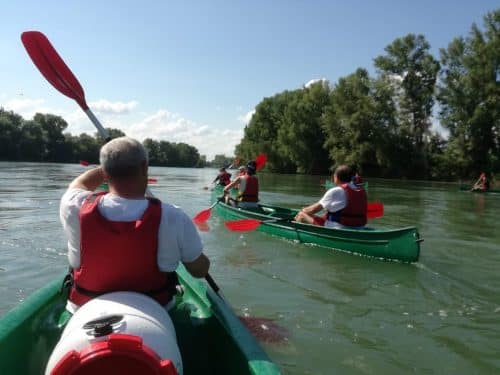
171, 286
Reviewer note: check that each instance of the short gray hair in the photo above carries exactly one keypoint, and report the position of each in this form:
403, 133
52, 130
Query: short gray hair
123, 157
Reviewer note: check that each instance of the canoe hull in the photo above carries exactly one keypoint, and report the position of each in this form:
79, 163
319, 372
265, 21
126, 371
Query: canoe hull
467, 188
210, 337
401, 244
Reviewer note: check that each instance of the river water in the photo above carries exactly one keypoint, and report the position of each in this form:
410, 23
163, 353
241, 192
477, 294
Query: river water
344, 313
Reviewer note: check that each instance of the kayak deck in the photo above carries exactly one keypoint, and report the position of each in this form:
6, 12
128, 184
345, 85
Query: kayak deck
210, 336
401, 244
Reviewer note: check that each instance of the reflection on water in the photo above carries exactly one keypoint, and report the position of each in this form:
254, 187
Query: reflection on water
343, 313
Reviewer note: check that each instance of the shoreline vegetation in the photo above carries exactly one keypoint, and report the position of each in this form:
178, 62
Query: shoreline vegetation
383, 125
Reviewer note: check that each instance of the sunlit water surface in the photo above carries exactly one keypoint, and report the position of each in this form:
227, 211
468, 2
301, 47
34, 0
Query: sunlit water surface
344, 313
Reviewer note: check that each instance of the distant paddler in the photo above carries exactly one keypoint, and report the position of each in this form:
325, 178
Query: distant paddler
248, 188
345, 204
223, 178
482, 183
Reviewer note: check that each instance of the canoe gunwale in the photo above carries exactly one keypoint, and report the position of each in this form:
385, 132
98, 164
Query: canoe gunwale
200, 307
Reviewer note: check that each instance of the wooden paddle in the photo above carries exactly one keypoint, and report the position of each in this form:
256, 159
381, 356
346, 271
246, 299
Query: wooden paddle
375, 209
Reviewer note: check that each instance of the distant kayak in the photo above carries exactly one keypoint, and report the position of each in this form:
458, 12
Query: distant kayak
468, 188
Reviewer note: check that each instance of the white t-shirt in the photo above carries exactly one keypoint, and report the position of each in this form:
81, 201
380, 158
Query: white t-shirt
178, 239
335, 199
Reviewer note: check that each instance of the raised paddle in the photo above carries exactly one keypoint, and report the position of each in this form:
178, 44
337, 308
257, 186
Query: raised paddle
260, 161
375, 209
53, 68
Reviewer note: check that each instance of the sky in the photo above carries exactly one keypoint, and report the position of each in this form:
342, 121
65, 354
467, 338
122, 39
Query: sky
193, 71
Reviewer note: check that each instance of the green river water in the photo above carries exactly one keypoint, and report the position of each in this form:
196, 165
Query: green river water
344, 313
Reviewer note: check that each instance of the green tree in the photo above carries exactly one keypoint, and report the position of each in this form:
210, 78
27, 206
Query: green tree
261, 134
300, 135
52, 127
348, 121
10, 134
32, 145
469, 94
408, 61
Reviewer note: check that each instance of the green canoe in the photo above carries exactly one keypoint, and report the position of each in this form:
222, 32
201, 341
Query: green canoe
210, 336
467, 188
401, 244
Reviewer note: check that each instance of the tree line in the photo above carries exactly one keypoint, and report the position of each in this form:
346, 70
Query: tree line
382, 124
42, 139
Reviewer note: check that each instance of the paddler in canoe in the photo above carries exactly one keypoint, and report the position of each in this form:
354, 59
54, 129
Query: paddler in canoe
154, 237
248, 188
242, 170
482, 184
346, 204
223, 178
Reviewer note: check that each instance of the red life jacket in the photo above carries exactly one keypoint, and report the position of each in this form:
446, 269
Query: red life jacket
354, 214
251, 193
225, 178
119, 256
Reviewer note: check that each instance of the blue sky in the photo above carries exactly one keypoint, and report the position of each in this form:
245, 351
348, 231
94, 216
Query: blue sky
193, 71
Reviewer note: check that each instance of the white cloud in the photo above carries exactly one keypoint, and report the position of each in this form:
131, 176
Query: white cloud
324, 81
162, 125
245, 119
28, 107
104, 106
172, 127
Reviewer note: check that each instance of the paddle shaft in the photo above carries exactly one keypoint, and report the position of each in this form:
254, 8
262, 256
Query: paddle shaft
102, 131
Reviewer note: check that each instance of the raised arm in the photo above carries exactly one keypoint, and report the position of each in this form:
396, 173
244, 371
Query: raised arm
198, 267
88, 180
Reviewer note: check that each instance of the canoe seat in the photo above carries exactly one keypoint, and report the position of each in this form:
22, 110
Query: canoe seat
258, 210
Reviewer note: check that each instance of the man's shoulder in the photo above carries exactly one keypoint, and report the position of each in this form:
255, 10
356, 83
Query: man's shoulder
335, 190
75, 196
171, 210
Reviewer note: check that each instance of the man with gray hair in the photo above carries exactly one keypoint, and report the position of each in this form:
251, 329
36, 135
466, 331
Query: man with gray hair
121, 240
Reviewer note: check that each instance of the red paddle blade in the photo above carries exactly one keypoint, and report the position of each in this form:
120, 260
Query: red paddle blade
243, 225
52, 66
202, 216
202, 227
260, 160
84, 163
375, 209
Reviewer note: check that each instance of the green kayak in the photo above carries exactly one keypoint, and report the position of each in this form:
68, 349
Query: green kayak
401, 244
210, 336
467, 188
